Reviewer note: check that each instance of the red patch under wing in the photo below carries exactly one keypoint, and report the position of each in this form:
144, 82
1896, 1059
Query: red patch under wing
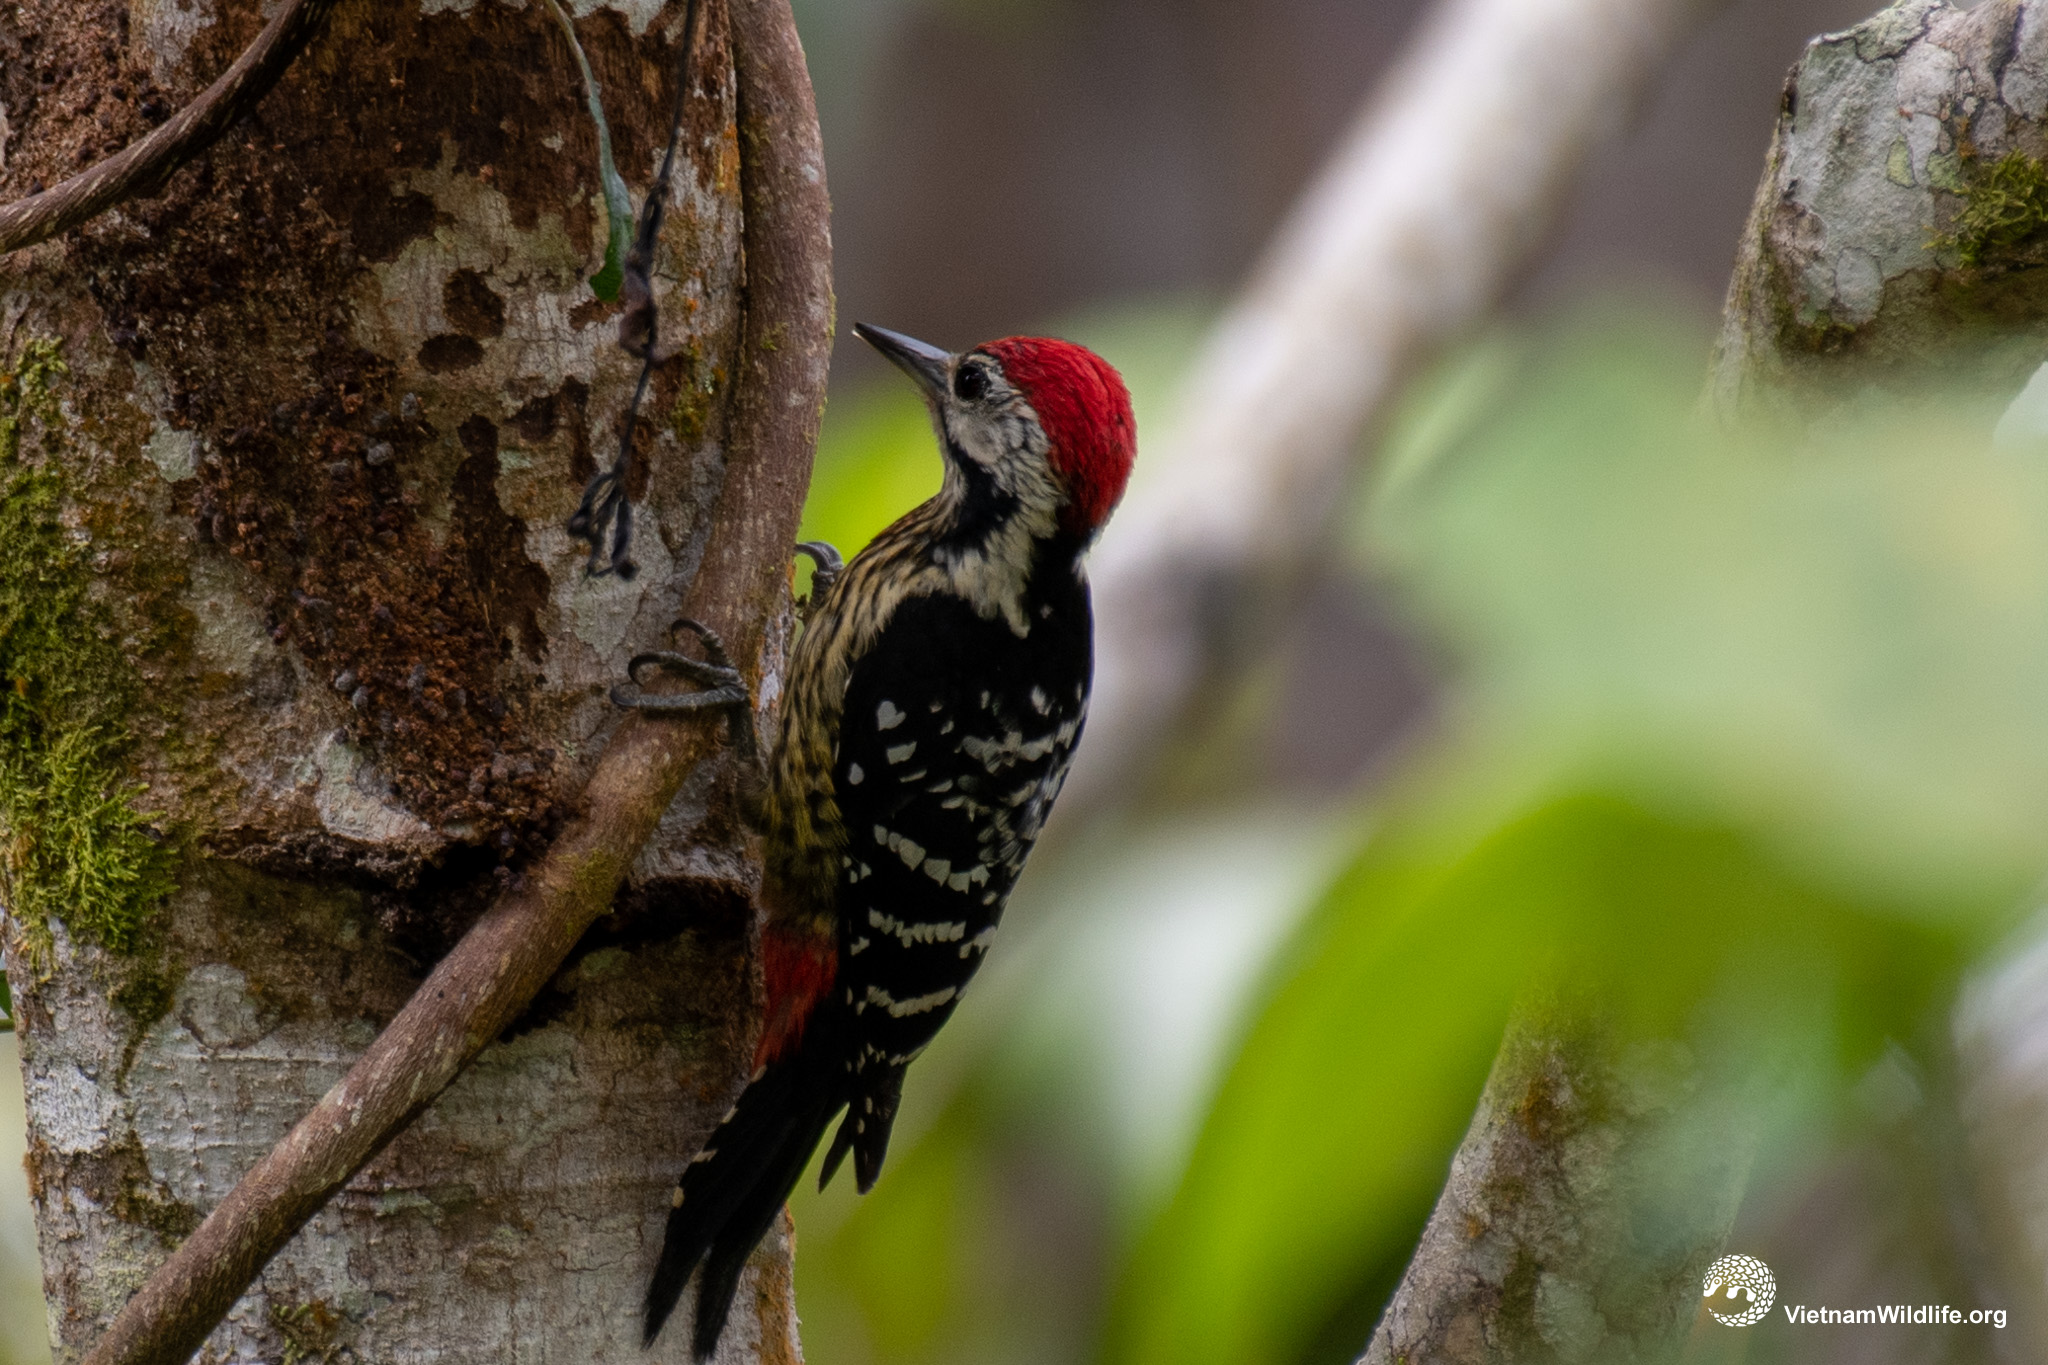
799, 969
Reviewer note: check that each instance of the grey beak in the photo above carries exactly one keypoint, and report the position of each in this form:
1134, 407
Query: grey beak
931, 367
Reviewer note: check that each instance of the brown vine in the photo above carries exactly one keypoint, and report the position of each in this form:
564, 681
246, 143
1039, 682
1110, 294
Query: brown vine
145, 166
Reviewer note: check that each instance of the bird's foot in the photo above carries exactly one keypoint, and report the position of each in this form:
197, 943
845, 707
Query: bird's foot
720, 683
721, 688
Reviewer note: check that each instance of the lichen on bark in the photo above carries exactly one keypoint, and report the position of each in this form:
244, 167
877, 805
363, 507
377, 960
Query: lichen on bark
1897, 236
2005, 209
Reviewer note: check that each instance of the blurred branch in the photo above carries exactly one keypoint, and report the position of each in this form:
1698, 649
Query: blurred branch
495, 971
2001, 1033
1597, 1182
1442, 193
143, 167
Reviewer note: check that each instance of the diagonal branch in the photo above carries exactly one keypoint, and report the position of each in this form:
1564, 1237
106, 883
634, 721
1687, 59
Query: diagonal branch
491, 975
1444, 191
1600, 1175
143, 167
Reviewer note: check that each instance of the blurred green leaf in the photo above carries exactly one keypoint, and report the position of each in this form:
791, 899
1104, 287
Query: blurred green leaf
907, 1257
1332, 1132
973, 1246
877, 459
1838, 637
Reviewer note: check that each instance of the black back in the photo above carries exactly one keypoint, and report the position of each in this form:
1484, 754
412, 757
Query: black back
957, 734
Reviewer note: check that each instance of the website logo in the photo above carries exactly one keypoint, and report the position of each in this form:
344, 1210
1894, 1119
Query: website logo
1744, 1284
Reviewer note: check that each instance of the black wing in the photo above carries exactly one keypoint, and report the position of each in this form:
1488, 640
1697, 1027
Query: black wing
955, 739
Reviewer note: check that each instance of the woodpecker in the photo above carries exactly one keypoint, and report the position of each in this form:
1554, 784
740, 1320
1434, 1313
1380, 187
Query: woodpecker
931, 707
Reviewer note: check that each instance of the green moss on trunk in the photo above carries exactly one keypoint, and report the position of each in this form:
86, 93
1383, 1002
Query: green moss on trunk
2005, 208
76, 847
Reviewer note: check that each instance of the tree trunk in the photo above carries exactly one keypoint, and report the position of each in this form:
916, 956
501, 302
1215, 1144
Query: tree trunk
301, 665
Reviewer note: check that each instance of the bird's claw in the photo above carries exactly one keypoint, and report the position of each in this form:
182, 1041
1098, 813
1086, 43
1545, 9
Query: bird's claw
825, 571
720, 681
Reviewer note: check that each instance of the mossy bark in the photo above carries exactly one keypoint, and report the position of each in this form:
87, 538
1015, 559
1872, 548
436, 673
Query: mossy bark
1900, 234
336, 670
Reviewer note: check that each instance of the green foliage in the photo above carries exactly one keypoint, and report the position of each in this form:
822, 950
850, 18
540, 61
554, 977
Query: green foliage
953, 1257
1834, 638
77, 849
1750, 744
906, 1269
2005, 207
877, 459
1331, 1134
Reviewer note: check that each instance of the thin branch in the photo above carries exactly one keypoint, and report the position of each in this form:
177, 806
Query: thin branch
1446, 188
498, 967
145, 166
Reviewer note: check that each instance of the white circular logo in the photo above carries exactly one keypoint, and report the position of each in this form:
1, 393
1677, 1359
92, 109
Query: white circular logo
1745, 1280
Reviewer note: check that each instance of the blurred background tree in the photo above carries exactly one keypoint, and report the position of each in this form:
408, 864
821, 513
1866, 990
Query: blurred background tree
1743, 732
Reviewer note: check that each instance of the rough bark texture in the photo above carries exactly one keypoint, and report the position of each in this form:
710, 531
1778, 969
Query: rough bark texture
1900, 232
144, 166
330, 398
1594, 1187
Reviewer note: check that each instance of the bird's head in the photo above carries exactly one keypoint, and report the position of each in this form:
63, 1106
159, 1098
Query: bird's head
1028, 425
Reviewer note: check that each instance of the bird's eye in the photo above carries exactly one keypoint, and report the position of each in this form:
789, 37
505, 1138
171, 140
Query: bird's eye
970, 382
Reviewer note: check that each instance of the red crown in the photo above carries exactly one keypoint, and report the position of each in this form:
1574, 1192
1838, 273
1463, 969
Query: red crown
1086, 412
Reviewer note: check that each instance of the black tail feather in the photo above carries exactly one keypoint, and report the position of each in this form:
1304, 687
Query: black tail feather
865, 1129
842, 1143
728, 1195
746, 1227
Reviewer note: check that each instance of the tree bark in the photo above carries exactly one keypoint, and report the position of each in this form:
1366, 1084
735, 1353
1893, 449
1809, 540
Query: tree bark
1598, 1180
329, 400
1898, 235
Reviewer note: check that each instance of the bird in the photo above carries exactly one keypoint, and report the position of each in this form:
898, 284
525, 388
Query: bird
930, 711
